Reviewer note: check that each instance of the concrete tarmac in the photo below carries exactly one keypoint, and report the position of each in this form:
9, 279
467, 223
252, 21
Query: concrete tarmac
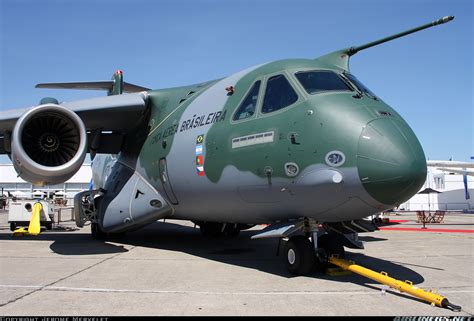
170, 269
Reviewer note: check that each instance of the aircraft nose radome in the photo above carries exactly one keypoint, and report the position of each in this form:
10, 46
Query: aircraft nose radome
390, 160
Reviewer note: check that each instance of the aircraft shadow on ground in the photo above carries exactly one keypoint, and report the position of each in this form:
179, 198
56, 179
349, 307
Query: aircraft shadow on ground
240, 251
70, 243
371, 239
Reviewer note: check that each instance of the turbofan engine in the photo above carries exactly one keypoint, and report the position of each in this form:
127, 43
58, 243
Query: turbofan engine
48, 144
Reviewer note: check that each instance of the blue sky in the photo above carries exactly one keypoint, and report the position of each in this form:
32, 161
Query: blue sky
427, 77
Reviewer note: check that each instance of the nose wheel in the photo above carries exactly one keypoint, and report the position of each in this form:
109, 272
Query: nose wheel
97, 232
302, 257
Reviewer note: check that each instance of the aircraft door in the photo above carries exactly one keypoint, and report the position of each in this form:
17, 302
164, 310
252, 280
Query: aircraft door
165, 180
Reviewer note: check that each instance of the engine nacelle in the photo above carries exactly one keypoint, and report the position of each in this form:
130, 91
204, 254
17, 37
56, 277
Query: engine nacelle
48, 144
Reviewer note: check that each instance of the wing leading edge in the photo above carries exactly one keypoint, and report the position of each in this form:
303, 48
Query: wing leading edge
93, 85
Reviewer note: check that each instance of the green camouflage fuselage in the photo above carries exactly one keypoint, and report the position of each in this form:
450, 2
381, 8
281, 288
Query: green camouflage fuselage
275, 166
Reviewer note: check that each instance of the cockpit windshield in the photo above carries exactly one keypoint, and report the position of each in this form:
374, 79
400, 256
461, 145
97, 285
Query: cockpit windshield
316, 81
360, 86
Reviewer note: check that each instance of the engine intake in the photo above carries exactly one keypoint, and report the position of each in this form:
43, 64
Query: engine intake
49, 144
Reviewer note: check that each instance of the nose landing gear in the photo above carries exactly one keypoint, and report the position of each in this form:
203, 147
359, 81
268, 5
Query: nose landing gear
300, 256
303, 255
310, 244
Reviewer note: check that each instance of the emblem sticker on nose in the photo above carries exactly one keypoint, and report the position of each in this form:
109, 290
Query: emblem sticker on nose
335, 158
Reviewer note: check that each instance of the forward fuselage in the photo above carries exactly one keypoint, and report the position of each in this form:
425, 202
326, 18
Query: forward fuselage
333, 155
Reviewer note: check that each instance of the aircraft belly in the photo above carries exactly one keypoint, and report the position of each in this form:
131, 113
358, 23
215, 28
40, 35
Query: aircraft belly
328, 194
352, 209
250, 199
228, 200
261, 194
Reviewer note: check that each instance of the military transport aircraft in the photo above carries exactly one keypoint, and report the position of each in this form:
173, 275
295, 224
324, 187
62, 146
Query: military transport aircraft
299, 144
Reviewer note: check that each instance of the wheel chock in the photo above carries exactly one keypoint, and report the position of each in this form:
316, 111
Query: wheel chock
20, 232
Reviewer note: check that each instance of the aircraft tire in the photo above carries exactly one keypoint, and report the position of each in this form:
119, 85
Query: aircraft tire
377, 220
300, 258
332, 245
12, 226
211, 229
97, 232
231, 230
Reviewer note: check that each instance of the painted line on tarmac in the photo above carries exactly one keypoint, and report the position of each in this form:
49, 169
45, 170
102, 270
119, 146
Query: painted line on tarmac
412, 229
73, 289
40, 288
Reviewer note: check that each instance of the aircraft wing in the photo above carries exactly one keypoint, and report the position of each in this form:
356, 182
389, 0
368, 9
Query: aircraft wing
453, 164
94, 85
457, 171
113, 115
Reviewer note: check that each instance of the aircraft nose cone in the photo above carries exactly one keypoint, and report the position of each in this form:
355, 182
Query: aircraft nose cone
390, 160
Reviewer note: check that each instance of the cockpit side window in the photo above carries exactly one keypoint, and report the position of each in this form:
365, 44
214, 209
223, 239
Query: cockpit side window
278, 94
359, 85
319, 81
247, 107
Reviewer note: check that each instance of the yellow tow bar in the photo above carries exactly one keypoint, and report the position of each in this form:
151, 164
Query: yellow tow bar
35, 222
402, 286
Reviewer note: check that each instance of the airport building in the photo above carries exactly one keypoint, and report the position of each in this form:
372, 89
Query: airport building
452, 194
11, 183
